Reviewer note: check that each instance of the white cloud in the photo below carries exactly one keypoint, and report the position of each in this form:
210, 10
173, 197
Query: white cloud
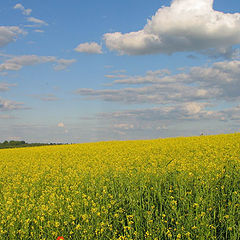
157, 93
193, 107
8, 105
223, 76
167, 120
225, 52
9, 34
36, 20
186, 25
63, 64
158, 76
91, 48
123, 126
219, 81
142, 118
39, 31
115, 76
45, 97
5, 86
16, 63
49, 98
23, 9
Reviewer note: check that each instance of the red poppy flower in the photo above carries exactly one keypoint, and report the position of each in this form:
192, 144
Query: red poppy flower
60, 238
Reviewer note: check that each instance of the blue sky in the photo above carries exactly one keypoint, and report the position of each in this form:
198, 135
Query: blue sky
82, 71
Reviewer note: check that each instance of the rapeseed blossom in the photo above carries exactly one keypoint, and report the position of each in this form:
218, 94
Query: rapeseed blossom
173, 188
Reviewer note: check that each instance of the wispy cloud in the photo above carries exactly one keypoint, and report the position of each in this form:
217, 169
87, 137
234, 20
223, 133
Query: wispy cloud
62, 64
180, 119
46, 97
115, 76
16, 63
8, 105
6, 86
155, 94
219, 81
37, 21
27, 12
180, 111
38, 31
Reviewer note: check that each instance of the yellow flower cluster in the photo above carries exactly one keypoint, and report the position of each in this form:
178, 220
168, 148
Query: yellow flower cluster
147, 189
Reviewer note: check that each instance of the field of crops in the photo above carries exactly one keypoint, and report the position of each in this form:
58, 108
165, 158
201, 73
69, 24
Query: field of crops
178, 188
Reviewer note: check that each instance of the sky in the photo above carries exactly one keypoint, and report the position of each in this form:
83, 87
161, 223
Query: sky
85, 71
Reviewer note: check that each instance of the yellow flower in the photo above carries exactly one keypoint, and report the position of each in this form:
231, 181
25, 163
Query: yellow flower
179, 236
57, 224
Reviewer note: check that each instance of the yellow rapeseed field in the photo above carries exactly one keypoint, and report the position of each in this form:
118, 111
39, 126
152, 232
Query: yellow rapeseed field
177, 188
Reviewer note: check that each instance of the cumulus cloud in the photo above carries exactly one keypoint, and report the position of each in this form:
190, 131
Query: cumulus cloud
227, 53
16, 63
23, 9
223, 76
91, 48
185, 25
9, 34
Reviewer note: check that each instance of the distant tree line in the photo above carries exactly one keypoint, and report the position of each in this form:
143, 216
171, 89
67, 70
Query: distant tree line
15, 144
